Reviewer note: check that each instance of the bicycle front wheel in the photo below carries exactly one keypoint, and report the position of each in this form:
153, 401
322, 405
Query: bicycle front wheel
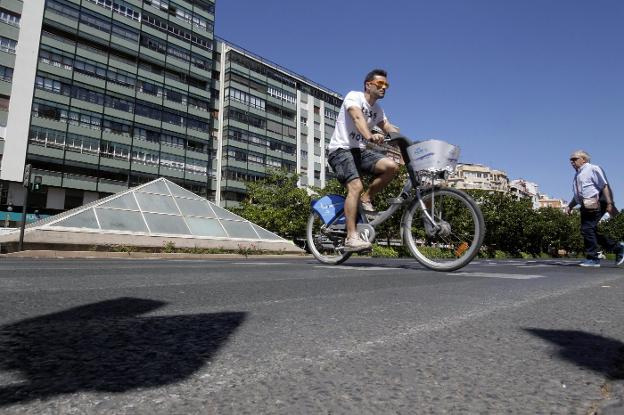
457, 235
326, 248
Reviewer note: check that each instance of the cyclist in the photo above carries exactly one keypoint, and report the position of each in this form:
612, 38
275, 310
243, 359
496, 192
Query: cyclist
349, 156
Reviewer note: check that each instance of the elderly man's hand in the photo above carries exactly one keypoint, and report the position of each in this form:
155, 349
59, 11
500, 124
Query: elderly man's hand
612, 210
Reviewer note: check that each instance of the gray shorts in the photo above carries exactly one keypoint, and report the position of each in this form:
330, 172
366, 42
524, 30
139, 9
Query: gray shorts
350, 163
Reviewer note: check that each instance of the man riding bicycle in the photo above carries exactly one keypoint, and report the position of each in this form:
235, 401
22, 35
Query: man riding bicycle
349, 156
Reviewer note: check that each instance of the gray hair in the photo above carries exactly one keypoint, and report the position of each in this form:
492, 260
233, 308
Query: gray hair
582, 154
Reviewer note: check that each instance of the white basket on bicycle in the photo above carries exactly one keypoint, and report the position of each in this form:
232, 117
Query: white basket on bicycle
433, 156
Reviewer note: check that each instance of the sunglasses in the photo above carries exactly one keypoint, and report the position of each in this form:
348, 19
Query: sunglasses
379, 83
574, 158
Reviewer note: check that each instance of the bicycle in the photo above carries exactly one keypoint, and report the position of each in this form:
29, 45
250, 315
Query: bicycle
442, 227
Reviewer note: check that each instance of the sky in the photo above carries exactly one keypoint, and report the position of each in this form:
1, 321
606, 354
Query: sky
518, 85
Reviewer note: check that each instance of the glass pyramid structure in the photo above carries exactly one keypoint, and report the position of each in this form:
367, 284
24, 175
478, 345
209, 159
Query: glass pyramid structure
158, 208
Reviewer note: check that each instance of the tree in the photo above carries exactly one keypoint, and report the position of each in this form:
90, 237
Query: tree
277, 204
505, 220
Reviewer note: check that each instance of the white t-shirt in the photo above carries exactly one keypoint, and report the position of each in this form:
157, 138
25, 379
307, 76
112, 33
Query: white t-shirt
345, 134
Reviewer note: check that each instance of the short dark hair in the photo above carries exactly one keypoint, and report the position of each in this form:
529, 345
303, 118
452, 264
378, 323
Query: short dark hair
375, 72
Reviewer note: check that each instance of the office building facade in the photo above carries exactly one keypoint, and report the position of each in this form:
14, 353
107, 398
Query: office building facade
102, 95
108, 94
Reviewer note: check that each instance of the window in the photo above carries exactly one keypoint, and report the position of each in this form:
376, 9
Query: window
197, 147
7, 45
196, 166
281, 94
95, 22
82, 144
149, 88
198, 103
47, 137
239, 116
114, 150
9, 18
175, 96
119, 104
172, 140
245, 98
85, 94
116, 127
172, 161
332, 115
172, 118
145, 156
119, 7
90, 69
50, 111
177, 31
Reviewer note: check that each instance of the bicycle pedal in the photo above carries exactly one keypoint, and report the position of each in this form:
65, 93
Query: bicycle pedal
396, 201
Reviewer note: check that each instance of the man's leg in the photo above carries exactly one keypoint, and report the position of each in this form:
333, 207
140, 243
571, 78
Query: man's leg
589, 225
354, 188
385, 170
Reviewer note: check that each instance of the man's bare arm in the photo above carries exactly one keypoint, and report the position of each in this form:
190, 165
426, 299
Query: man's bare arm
387, 127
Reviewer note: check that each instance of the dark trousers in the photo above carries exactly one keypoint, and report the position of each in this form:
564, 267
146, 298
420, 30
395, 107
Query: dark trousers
591, 237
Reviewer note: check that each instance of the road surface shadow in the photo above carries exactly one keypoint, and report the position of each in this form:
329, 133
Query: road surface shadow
106, 346
592, 351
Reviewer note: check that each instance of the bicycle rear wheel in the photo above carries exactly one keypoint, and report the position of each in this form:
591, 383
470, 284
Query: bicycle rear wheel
326, 247
459, 233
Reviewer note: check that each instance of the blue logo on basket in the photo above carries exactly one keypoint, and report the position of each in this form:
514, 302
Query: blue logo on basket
424, 157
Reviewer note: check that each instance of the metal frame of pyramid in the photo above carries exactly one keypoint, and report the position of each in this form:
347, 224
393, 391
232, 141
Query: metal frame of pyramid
151, 213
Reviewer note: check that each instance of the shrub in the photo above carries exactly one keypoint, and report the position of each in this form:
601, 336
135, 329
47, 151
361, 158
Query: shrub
169, 247
384, 252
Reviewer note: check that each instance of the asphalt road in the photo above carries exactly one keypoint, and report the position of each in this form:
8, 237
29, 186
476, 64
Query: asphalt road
291, 336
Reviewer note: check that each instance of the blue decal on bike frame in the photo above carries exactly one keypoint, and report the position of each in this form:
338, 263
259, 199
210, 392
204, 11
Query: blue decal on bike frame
328, 207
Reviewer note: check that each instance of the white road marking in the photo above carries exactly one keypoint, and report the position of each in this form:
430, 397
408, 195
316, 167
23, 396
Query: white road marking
358, 268
496, 275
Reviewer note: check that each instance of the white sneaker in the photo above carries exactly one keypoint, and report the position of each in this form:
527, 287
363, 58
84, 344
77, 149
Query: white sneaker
356, 245
368, 207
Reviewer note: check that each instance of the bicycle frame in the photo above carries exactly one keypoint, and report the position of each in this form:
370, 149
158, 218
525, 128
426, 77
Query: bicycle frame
383, 216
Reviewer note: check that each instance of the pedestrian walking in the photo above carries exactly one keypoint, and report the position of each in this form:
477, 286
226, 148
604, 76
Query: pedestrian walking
592, 192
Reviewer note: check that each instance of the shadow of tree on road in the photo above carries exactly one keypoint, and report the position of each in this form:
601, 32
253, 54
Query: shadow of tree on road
107, 346
592, 351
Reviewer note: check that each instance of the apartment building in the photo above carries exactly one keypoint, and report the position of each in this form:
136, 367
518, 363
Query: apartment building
479, 176
520, 188
106, 94
271, 118
546, 201
111, 94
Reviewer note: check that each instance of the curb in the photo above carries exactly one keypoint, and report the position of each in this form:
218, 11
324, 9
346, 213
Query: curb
53, 254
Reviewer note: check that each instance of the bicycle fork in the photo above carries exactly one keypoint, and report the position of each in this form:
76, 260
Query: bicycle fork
428, 220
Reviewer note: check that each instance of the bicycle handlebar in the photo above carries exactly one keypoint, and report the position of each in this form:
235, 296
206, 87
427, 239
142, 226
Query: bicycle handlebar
399, 139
